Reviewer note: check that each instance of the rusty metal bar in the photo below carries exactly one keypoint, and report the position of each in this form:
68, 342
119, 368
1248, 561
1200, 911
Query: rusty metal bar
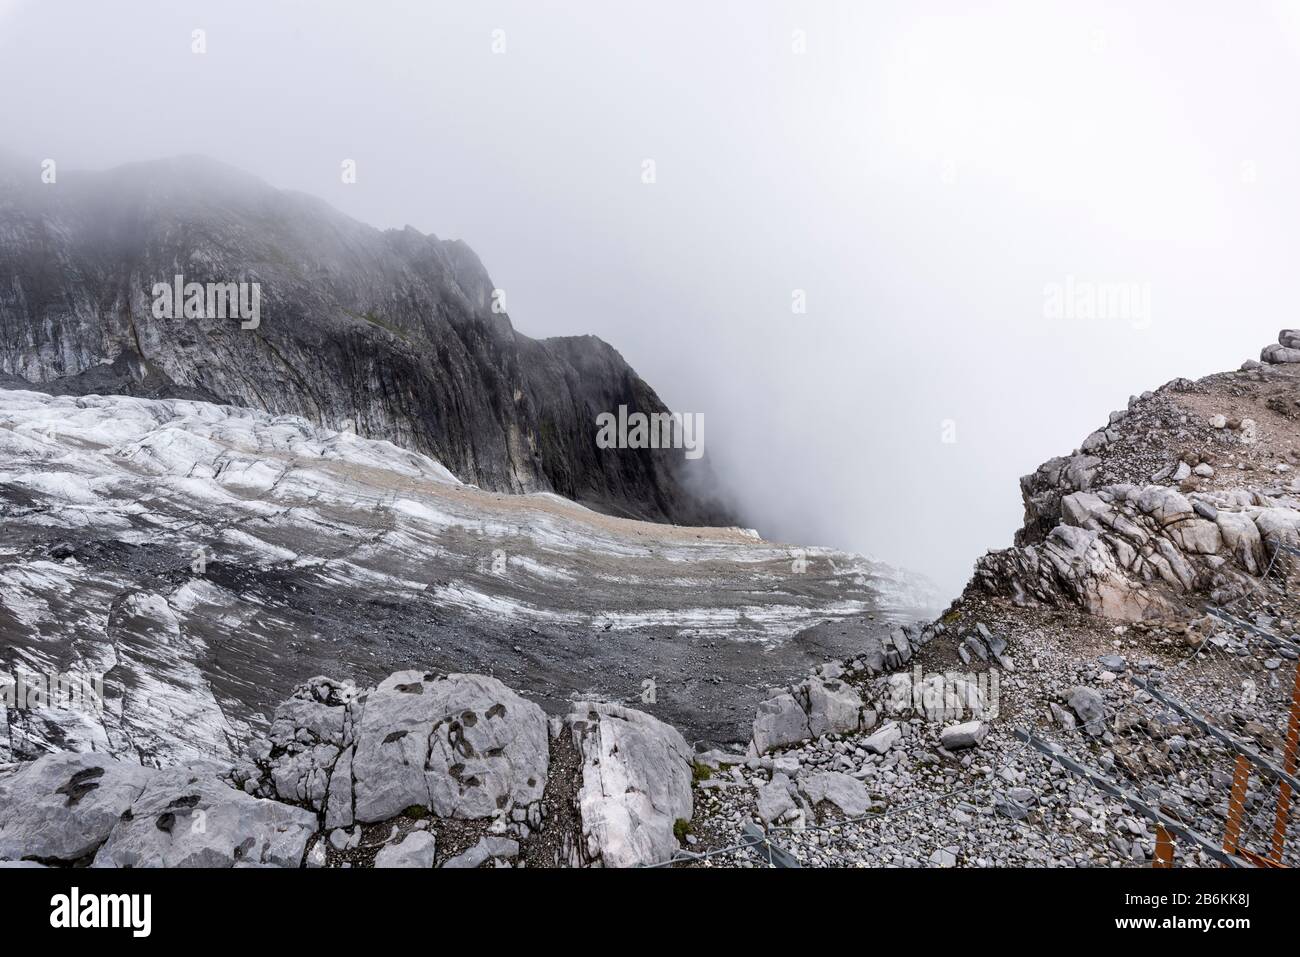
1288, 765
1236, 805
1164, 856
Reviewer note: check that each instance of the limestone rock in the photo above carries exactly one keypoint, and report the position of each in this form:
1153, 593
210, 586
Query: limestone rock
1279, 354
957, 737
775, 799
881, 741
846, 793
463, 746
636, 784
186, 817
833, 707
488, 848
778, 722
415, 850
62, 807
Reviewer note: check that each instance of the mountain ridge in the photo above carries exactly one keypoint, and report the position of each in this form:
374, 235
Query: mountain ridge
392, 332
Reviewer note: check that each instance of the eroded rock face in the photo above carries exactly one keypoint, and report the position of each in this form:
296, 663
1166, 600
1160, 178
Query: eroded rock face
1130, 553
187, 817
464, 746
636, 785
61, 808
414, 753
308, 755
1171, 505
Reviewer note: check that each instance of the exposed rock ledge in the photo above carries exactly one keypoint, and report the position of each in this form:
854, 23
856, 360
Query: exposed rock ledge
422, 770
1187, 495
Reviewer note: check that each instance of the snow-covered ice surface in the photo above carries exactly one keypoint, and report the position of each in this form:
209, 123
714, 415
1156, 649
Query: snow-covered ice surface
205, 559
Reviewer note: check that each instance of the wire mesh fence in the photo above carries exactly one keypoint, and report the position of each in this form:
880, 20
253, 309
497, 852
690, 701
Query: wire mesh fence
1205, 750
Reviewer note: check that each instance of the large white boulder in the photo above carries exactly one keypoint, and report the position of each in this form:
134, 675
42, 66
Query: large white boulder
635, 784
463, 746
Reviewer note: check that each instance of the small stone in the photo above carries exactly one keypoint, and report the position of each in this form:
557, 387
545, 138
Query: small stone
488, 848
884, 739
958, 737
1091, 709
943, 857
415, 850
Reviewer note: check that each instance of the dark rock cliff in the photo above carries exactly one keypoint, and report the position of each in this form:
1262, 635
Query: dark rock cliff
392, 331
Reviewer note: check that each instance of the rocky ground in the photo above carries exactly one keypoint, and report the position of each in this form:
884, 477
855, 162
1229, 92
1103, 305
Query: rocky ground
422, 770
1183, 502
1094, 634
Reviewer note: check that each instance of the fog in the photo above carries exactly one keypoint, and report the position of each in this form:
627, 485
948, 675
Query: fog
923, 176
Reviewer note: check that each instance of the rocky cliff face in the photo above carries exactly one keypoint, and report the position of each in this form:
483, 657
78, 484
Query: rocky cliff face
1185, 497
392, 333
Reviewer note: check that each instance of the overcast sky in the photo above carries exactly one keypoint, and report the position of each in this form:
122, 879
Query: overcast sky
924, 172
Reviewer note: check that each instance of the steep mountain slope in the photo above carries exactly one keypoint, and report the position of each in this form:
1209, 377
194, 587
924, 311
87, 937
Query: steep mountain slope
392, 332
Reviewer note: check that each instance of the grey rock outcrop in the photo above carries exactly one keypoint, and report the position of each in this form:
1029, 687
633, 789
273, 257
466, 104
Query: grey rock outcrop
833, 707
1285, 350
422, 753
1146, 521
464, 746
187, 817
61, 808
820, 705
1131, 553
